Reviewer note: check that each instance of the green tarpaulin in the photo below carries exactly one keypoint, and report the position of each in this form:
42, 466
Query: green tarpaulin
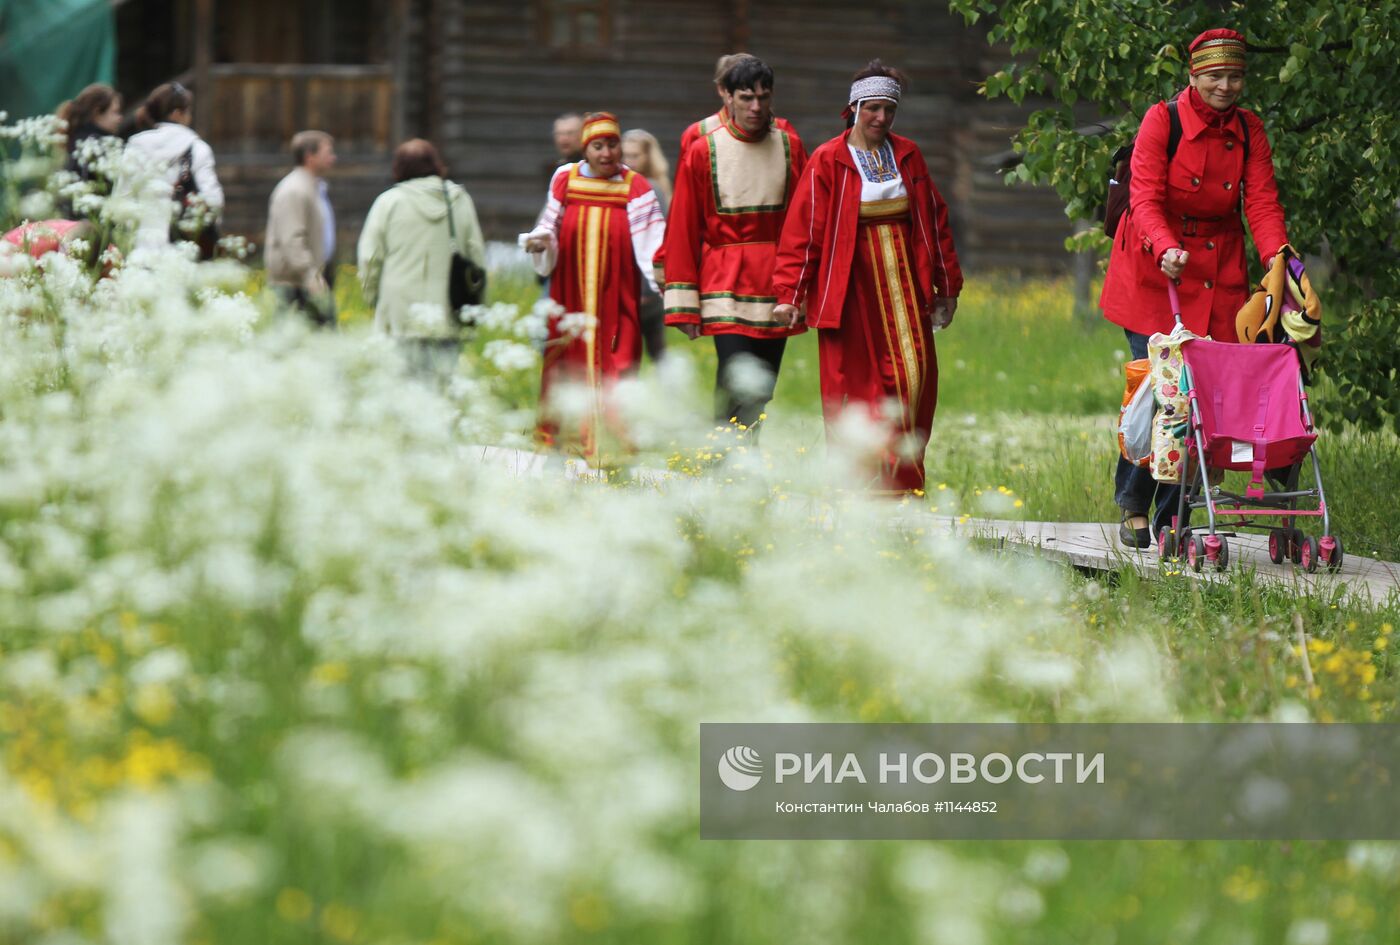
51, 49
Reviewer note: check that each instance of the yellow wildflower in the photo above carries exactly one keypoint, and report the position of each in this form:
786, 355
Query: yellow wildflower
293, 905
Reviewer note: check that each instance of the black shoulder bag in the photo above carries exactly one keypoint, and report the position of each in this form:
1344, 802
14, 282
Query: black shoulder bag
206, 236
466, 281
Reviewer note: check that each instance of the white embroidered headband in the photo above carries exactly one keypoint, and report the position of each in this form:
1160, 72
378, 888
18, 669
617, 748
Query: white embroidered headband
876, 86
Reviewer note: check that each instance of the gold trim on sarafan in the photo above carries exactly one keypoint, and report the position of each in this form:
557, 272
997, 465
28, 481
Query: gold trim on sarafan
884, 209
612, 193
896, 302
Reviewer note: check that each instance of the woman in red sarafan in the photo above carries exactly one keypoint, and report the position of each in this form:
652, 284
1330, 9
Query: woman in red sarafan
1183, 223
867, 244
596, 236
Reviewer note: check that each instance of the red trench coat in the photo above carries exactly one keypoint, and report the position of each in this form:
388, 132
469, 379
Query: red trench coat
1172, 206
819, 235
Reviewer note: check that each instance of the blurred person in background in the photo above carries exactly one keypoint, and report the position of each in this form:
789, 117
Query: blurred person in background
642, 153
167, 147
93, 118
300, 240
405, 256
568, 143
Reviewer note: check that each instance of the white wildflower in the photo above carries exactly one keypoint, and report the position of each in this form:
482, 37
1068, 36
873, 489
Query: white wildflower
577, 325
510, 356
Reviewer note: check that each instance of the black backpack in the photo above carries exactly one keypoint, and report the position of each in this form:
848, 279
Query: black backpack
1120, 167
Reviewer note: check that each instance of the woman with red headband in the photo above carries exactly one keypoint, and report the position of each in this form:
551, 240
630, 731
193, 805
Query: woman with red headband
595, 238
1183, 223
866, 244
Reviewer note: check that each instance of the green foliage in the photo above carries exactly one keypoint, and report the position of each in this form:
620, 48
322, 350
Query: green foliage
1322, 76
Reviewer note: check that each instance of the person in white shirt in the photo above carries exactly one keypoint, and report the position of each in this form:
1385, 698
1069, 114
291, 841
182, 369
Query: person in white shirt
168, 157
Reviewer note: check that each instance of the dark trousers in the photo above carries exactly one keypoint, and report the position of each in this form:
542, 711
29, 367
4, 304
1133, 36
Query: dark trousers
298, 298
431, 359
746, 376
653, 320
1134, 489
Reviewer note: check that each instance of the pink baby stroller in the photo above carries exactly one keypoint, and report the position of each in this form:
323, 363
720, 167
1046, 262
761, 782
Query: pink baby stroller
1249, 412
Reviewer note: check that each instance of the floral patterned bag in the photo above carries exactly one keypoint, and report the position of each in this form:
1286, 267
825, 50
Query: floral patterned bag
1169, 425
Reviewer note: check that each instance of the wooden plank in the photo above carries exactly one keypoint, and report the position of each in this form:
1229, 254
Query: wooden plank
238, 70
1095, 546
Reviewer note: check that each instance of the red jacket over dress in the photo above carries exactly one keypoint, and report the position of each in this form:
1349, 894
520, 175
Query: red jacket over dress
1193, 203
819, 235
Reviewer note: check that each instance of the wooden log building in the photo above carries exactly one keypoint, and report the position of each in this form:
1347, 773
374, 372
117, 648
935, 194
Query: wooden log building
484, 80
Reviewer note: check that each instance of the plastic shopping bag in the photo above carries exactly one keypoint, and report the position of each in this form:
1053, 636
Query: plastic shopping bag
1135, 416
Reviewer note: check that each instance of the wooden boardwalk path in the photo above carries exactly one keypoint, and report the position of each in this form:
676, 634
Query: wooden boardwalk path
1095, 545
1092, 545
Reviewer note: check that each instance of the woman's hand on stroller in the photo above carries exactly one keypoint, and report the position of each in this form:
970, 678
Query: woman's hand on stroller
1173, 262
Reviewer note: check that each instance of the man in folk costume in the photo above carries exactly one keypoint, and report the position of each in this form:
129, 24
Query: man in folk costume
731, 196
867, 246
595, 238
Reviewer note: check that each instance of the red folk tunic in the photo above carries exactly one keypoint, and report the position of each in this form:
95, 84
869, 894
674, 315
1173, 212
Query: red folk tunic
605, 229
727, 213
869, 270
1193, 203
712, 123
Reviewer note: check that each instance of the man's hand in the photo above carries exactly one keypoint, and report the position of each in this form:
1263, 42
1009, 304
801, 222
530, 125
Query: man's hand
537, 244
690, 331
1173, 262
941, 315
315, 284
787, 313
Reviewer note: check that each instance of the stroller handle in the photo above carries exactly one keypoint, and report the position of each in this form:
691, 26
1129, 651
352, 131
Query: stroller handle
1174, 299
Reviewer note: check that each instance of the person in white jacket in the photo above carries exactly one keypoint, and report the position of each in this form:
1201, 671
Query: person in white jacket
169, 160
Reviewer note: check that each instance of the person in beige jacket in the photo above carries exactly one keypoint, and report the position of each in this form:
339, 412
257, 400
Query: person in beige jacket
405, 249
301, 230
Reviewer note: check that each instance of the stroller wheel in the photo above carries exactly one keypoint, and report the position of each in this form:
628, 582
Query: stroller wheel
1166, 544
1196, 552
1295, 545
1278, 545
1308, 554
1222, 557
1334, 552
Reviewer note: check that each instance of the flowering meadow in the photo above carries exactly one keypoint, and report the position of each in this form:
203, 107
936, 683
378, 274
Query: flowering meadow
283, 660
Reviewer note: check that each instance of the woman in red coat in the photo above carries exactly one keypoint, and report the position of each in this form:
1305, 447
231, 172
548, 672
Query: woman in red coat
867, 245
1183, 223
